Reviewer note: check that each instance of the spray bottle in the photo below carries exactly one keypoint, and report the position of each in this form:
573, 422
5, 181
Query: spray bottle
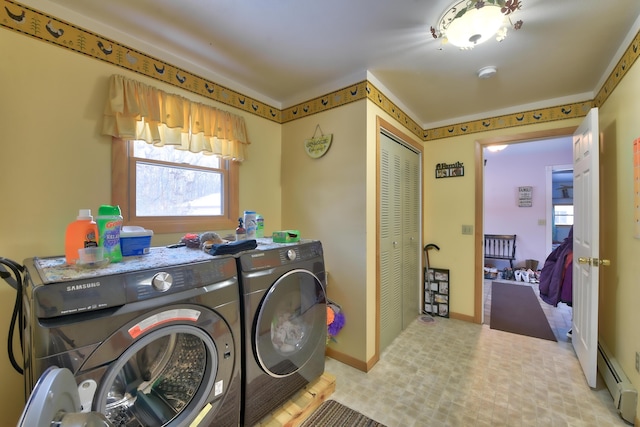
109, 222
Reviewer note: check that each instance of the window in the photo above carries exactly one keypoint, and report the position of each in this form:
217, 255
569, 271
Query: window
563, 214
173, 191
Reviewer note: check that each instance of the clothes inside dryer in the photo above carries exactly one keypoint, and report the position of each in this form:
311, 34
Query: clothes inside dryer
292, 314
153, 385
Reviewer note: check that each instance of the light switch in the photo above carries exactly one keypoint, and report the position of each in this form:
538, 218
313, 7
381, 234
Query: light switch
467, 229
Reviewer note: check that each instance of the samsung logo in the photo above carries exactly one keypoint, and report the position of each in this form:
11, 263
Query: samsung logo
73, 288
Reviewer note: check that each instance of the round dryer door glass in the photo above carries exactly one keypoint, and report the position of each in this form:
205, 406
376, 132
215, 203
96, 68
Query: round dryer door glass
291, 323
158, 377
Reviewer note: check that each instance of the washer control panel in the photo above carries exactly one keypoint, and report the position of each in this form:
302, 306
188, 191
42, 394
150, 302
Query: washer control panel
112, 290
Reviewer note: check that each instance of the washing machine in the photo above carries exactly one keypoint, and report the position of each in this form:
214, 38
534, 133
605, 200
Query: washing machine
152, 341
284, 323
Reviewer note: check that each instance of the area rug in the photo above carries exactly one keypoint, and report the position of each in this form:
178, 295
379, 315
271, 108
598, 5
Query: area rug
332, 413
516, 309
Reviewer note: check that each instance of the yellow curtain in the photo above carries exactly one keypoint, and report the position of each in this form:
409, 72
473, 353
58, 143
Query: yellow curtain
137, 111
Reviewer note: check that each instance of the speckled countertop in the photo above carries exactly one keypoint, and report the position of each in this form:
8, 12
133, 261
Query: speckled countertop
55, 269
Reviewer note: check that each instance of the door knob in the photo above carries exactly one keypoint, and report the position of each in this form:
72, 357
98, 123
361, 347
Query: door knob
596, 262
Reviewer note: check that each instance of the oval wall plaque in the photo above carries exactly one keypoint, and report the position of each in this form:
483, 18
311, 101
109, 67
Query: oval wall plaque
317, 147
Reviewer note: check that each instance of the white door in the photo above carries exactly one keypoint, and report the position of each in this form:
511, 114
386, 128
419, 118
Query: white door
586, 243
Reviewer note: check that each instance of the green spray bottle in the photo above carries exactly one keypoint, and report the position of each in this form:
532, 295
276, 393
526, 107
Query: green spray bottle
109, 221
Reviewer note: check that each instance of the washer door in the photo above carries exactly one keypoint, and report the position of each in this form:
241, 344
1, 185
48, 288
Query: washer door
291, 323
164, 377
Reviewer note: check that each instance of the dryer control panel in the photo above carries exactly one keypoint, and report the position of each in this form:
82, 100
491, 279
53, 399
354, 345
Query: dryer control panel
279, 256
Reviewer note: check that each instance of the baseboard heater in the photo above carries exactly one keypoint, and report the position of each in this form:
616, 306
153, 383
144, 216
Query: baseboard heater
625, 396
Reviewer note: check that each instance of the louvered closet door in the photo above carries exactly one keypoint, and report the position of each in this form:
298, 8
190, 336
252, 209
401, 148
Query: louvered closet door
410, 232
399, 238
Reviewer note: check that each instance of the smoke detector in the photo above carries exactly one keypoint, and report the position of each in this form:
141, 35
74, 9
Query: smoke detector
487, 72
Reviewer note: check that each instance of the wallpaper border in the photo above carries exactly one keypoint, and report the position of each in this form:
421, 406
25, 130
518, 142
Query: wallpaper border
50, 29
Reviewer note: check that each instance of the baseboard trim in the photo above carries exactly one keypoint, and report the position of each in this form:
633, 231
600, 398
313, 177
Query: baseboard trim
352, 361
464, 317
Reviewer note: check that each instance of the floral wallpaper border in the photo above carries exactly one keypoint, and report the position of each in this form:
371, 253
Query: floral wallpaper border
30, 22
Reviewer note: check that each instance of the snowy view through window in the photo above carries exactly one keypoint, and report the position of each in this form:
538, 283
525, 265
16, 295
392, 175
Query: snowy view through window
172, 182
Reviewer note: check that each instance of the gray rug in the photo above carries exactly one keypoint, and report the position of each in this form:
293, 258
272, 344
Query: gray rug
334, 414
515, 308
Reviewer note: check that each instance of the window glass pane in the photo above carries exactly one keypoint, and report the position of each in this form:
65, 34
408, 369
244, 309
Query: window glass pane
164, 190
563, 214
168, 153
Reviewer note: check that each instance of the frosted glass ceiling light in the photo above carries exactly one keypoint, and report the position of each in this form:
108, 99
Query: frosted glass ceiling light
468, 23
496, 148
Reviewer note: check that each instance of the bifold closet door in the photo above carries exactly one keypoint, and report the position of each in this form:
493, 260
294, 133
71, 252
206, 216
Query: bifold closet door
399, 238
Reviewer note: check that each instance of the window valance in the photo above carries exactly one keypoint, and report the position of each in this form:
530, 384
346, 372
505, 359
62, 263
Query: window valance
137, 111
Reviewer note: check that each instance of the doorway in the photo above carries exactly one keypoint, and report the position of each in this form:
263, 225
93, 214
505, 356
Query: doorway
528, 164
560, 198
530, 139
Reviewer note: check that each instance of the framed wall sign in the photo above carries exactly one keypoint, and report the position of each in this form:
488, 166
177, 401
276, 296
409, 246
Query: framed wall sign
525, 197
449, 170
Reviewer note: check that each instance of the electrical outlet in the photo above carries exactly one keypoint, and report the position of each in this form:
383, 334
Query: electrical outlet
637, 361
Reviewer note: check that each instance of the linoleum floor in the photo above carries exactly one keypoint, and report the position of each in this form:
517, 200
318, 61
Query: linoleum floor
456, 373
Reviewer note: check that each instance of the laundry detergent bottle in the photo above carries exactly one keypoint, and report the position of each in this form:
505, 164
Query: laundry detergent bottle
109, 222
81, 233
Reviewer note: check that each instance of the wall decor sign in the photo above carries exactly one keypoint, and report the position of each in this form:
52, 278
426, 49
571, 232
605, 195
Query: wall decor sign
525, 197
449, 170
317, 146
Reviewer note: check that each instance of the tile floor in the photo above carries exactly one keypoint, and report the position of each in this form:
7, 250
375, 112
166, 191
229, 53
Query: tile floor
456, 373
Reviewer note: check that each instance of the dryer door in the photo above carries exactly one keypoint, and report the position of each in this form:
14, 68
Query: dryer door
291, 323
164, 378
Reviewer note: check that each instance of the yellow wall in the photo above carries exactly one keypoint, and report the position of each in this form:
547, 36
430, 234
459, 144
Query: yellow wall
619, 315
54, 162
325, 199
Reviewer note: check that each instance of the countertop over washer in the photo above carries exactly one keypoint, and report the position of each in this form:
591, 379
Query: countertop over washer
55, 269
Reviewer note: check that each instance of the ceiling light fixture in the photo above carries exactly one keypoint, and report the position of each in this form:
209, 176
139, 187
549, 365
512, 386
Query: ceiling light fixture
496, 148
468, 23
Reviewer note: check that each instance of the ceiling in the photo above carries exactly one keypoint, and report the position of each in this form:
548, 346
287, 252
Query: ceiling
284, 52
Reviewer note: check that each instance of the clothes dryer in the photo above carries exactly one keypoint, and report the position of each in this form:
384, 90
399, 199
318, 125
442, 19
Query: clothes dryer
151, 341
284, 323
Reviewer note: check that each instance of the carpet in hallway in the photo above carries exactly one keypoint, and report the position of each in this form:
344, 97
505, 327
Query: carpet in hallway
332, 413
516, 309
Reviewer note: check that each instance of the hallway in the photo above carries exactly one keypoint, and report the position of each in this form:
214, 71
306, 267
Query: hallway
559, 317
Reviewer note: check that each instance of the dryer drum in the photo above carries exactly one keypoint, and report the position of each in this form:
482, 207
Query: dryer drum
158, 377
290, 323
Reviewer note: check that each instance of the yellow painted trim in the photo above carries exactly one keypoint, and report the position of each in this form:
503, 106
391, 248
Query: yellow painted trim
33, 23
